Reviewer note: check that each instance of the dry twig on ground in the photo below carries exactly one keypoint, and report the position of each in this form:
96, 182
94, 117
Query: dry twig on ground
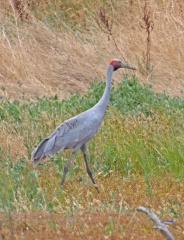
161, 226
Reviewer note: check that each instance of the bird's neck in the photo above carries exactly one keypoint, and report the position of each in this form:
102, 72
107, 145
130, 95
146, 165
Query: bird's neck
102, 104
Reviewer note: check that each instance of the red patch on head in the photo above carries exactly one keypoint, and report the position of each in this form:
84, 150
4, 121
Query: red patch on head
112, 62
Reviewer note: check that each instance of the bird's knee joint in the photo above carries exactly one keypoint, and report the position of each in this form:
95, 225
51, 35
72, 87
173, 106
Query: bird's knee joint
65, 169
89, 172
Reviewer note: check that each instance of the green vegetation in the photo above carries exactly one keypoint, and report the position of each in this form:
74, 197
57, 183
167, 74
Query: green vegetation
142, 134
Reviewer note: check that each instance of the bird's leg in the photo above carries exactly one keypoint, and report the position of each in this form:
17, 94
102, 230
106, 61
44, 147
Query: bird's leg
66, 168
83, 149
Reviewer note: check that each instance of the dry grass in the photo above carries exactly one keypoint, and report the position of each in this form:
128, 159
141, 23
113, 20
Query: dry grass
110, 214
40, 66
39, 60
11, 143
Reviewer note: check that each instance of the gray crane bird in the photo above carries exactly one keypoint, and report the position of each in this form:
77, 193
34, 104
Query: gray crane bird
75, 132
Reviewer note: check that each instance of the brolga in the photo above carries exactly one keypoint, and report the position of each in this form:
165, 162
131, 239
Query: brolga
75, 132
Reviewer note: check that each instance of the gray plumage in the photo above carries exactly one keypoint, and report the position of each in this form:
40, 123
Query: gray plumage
76, 131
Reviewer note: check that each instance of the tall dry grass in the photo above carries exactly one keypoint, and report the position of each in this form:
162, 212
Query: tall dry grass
57, 47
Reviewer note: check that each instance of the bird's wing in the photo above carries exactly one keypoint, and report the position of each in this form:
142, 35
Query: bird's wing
55, 142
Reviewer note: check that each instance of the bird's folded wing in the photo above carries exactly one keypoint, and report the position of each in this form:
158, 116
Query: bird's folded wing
48, 144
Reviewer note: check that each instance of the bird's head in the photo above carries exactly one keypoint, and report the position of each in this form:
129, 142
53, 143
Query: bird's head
116, 63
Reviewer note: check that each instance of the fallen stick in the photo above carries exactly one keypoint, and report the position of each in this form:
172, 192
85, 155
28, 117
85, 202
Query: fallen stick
161, 226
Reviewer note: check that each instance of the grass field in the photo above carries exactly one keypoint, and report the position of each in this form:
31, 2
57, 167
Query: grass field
53, 63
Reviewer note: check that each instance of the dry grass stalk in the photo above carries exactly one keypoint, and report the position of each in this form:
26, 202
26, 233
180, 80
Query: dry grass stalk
107, 29
149, 25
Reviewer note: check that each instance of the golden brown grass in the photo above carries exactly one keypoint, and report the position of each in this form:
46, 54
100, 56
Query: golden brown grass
41, 60
11, 143
111, 214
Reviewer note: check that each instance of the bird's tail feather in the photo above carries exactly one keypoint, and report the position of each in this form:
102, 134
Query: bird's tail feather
47, 147
44, 149
38, 153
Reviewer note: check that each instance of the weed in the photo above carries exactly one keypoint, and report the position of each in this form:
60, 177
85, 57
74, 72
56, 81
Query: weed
107, 26
149, 25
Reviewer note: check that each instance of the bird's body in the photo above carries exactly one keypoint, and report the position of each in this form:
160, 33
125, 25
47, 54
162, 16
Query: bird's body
76, 131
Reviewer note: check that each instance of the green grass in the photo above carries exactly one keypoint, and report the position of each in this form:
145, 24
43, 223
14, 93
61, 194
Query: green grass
142, 133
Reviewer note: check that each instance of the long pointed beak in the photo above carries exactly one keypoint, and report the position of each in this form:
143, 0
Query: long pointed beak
124, 65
